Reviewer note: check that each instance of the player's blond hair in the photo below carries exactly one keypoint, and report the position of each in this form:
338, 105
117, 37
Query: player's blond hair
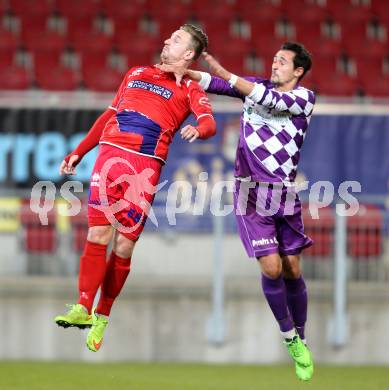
199, 38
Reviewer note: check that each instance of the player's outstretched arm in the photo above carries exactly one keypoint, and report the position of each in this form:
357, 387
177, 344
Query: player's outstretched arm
244, 86
296, 102
179, 69
69, 163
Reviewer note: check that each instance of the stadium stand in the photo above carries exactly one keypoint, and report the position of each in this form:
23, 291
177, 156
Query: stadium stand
38, 238
335, 31
365, 233
79, 225
321, 231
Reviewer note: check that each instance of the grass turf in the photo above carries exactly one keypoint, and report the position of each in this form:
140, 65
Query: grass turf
137, 376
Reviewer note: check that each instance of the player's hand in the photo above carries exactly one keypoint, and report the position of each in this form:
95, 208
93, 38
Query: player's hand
68, 168
215, 66
189, 133
177, 68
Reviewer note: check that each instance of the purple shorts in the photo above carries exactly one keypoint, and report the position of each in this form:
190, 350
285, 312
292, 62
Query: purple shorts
269, 219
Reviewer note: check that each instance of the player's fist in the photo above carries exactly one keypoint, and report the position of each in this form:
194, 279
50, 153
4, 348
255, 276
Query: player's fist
215, 66
68, 165
189, 133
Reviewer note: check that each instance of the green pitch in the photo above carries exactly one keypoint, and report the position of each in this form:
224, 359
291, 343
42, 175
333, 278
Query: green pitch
131, 376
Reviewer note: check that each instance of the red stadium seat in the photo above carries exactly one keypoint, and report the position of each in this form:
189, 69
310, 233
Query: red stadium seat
354, 32
172, 9
239, 47
378, 87
305, 13
102, 79
91, 41
263, 64
338, 84
31, 7
262, 32
259, 12
365, 236
381, 9
372, 48
94, 59
216, 11
366, 67
139, 45
45, 40
267, 49
126, 30
77, 8
33, 25
324, 67
44, 59
325, 47
320, 230
235, 64
308, 33
78, 25
171, 24
8, 40
57, 78
6, 57
350, 12
3, 7
38, 238
14, 77
309, 81
79, 224
129, 10
143, 59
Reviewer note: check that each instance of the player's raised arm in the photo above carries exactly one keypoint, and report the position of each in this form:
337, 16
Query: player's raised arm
295, 101
180, 70
91, 140
209, 83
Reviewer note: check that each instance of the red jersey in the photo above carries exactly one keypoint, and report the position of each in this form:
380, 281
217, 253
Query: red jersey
150, 108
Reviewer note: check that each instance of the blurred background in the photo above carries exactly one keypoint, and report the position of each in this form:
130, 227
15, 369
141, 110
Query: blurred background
193, 295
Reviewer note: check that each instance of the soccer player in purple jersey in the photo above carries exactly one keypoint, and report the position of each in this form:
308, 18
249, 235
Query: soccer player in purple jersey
276, 114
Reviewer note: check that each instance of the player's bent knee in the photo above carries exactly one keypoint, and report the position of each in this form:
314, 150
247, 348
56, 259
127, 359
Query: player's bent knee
291, 274
123, 246
272, 273
100, 234
291, 267
271, 265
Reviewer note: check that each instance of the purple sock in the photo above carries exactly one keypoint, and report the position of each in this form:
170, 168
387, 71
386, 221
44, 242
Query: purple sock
297, 298
275, 293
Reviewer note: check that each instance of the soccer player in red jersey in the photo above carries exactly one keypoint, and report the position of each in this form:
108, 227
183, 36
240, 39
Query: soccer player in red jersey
134, 134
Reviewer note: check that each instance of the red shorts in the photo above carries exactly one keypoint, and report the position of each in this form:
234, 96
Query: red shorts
122, 189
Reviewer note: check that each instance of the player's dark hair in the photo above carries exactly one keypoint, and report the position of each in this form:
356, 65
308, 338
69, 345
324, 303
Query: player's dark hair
302, 56
199, 38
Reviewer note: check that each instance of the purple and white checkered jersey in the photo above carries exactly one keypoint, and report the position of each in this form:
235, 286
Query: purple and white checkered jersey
273, 128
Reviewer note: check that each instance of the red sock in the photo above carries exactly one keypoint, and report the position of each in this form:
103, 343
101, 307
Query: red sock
92, 270
116, 274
